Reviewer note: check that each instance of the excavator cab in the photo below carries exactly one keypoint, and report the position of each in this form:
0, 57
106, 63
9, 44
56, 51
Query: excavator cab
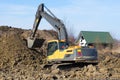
54, 45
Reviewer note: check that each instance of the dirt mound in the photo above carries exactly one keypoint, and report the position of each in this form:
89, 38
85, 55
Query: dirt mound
15, 57
17, 62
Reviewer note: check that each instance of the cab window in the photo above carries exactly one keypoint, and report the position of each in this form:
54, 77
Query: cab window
52, 47
62, 45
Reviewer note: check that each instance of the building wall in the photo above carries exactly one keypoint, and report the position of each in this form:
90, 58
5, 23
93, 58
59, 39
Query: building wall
82, 42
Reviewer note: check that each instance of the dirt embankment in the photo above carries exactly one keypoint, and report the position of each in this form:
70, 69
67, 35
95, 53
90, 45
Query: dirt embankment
17, 62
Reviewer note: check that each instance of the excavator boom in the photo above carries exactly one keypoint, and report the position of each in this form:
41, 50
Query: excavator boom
52, 19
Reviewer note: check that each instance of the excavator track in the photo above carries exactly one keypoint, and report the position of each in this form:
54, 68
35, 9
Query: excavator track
66, 66
55, 65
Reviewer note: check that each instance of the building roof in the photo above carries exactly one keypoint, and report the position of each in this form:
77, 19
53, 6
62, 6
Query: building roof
96, 37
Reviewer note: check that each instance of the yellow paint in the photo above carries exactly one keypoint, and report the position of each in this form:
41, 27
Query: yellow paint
59, 54
36, 20
56, 41
78, 50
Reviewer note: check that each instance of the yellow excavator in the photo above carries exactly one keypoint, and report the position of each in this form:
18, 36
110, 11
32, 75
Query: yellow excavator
59, 50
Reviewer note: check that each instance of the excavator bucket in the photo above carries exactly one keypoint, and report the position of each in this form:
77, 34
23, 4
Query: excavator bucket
30, 42
34, 43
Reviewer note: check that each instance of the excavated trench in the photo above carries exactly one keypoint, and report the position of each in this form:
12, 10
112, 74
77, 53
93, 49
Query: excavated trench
17, 62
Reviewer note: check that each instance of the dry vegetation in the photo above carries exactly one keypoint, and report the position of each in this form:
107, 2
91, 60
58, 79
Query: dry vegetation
17, 62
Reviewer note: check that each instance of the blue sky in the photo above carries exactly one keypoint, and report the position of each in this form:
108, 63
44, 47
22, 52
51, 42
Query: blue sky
78, 15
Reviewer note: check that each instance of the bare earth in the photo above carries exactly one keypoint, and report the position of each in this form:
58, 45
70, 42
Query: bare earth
17, 62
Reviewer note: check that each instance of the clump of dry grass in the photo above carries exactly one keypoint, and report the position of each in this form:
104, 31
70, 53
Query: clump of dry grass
116, 46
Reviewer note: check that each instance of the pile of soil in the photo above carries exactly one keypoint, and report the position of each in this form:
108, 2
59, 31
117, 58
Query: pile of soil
17, 62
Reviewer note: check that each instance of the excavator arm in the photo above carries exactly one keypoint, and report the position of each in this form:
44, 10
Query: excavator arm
52, 19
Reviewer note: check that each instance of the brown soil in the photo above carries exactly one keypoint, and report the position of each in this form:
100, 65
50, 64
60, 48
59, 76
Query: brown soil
17, 62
